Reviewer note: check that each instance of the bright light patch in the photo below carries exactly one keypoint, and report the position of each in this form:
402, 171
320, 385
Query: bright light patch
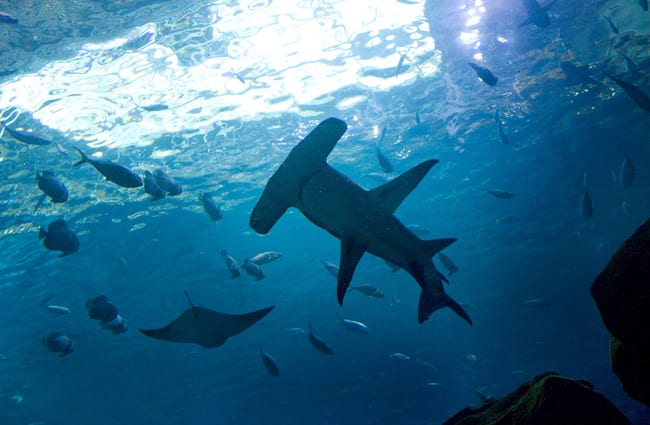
470, 37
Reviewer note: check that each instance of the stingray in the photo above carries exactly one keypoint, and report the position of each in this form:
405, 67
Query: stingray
205, 327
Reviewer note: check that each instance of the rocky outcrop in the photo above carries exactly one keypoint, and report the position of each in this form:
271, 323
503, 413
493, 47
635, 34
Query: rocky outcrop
546, 399
622, 293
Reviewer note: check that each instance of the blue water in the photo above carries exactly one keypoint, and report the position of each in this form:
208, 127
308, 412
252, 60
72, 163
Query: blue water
79, 74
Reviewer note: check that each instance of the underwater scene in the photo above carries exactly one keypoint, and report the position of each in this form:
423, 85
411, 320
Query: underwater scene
322, 212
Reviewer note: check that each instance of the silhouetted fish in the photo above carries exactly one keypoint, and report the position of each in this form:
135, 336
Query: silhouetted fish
113, 171
269, 363
537, 303
231, 264
537, 14
417, 117
611, 25
167, 183
155, 107
59, 343
398, 68
59, 237
210, 207
626, 172
484, 74
384, 163
152, 188
27, 137
52, 186
502, 134
318, 343
499, 193
639, 97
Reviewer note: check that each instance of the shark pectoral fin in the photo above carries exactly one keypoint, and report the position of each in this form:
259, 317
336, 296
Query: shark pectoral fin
430, 302
395, 191
433, 246
351, 254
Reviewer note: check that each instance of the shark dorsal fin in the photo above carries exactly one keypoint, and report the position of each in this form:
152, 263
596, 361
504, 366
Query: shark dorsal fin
392, 194
351, 253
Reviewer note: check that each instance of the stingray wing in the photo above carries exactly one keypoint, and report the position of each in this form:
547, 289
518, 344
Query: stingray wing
207, 328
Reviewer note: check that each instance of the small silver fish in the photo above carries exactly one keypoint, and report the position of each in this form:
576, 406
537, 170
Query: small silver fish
265, 257
331, 268
399, 356
59, 309
353, 325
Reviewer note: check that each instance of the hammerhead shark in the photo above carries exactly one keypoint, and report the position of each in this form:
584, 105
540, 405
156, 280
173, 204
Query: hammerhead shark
361, 219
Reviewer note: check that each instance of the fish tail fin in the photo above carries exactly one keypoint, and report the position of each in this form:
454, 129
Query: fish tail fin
429, 303
83, 159
433, 246
42, 232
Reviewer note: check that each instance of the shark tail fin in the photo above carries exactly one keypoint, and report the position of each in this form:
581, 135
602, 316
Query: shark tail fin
434, 246
284, 187
83, 159
430, 303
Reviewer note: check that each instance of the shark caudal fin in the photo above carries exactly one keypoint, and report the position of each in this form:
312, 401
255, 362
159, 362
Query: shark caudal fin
283, 188
430, 303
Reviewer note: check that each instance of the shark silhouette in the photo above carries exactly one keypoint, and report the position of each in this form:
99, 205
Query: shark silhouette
362, 220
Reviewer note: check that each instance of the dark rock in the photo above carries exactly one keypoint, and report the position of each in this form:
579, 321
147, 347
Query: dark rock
622, 294
546, 399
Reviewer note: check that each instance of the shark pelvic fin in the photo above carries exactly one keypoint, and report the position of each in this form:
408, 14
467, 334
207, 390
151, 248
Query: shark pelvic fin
392, 194
351, 254
284, 187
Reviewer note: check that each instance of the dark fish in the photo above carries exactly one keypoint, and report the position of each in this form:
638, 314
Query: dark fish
152, 188
644, 4
484, 74
319, 344
59, 237
205, 327
52, 186
502, 134
269, 363
639, 97
167, 183
253, 270
7, 18
27, 137
575, 75
498, 193
155, 107
384, 163
113, 171
382, 136
57, 342
626, 172
611, 25
210, 207
418, 121
447, 263
368, 291
231, 263
537, 14
398, 69
586, 204
106, 313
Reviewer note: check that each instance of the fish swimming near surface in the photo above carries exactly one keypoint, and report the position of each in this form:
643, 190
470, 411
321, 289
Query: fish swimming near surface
57, 342
502, 134
418, 121
613, 27
154, 107
253, 269
586, 204
205, 327
210, 207
152, 188
167, 183
635, 93
447, 263
114, 172
368, 291
362, 220
27, 137
6, 18
384, 162
319, 344
626, 173
398, 68
333, 269
269, 363
499, 193
484, 74
353, 325
51, 186
59, 237
231, 264
537, 14
265, 257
